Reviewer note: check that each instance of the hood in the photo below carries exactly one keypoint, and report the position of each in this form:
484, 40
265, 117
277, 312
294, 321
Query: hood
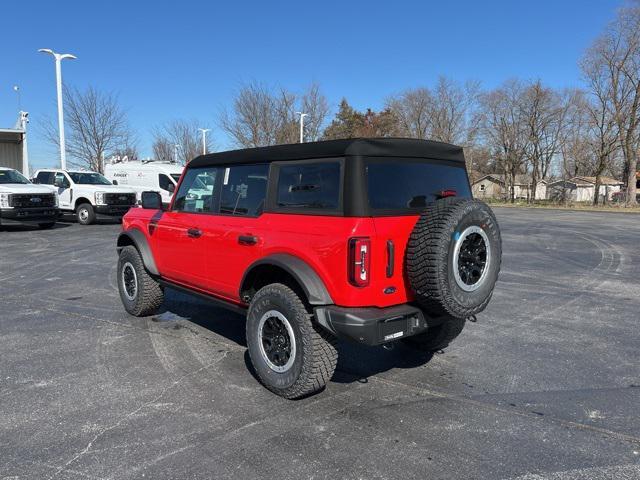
23, 188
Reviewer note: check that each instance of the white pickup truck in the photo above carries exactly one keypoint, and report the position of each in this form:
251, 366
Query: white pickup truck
89, 195
23, 203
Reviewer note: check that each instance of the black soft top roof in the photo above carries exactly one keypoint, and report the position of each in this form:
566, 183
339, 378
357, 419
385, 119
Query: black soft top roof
373, 147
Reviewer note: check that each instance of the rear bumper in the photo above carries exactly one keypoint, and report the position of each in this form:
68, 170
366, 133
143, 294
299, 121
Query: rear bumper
112, 210
28, 216
374, 326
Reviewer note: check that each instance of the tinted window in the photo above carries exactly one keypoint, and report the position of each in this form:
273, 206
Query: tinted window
12, 176
309, 186
61, 180
406, 184
88, 178
244, 188
196, 190
164, 181
46, 178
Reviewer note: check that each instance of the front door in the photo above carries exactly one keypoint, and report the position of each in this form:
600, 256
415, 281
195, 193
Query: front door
179, 234
64, 190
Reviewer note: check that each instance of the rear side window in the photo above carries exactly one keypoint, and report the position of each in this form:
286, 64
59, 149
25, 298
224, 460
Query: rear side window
244, 188
309, 186
409, 184
164, 182
196, 191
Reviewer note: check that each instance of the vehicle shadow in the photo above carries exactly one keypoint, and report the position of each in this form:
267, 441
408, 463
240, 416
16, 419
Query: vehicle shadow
356, 363
31, 228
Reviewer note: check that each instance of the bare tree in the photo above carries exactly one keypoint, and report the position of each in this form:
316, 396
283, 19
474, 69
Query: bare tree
444, 114
184, 134
262, 116
615, 60
96, 127
544, 113
504, 130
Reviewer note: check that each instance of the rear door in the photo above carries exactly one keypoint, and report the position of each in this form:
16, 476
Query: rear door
234, 237
180, 245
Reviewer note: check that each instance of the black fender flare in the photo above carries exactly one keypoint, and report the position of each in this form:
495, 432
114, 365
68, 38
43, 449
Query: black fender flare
307, 278
137, 238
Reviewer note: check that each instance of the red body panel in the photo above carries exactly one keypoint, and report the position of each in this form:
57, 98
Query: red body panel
216, 262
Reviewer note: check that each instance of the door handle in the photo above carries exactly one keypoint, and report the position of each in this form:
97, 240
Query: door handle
247, 240
194, 233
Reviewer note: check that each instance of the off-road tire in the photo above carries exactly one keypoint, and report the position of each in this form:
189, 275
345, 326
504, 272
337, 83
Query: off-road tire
44, 226
316, 355
430, 253
149, 294
90, 214
437, 337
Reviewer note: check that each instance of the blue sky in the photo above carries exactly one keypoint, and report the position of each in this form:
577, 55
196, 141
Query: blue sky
186, 59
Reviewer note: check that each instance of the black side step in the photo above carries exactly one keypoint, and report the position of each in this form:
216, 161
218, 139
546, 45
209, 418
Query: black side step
210, 298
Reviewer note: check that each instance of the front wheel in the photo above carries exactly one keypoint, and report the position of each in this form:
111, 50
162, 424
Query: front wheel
141, 295
291, 355
85, 214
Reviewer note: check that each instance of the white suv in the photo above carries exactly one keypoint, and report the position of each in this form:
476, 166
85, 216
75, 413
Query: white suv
22, 202
87, 194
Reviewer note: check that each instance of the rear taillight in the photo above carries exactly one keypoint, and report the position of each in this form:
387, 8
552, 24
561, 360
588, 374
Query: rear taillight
359, 261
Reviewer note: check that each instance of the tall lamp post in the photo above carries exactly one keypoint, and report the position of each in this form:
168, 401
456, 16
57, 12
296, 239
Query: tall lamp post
302, 115
204, 139
175, 153
59, 57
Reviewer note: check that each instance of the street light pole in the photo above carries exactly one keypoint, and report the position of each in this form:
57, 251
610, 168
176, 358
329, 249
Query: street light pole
175, 153
59, 57
204, 139
302, 115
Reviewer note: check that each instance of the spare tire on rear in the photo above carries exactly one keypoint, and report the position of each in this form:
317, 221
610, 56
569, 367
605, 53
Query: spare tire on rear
453, 257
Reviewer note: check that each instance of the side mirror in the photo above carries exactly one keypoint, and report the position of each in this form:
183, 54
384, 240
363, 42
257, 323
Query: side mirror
115, 182
171, 188
151, 200
58, 182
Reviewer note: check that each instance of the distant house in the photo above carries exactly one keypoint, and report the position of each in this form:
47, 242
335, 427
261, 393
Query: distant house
582, 189
493, 185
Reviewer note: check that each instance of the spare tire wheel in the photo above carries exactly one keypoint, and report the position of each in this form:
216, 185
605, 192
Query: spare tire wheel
453, 257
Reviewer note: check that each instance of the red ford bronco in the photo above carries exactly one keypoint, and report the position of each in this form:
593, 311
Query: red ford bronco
367, 240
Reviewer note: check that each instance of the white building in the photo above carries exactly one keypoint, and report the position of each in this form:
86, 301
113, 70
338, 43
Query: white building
582, 189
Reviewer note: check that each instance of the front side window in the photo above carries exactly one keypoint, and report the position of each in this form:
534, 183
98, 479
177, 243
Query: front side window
12, 176
88, 178
244, 188
397, 184
165, 182
196, 191
60, 180
309, 186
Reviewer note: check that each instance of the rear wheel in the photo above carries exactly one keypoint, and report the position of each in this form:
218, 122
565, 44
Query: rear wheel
85, 214
291, 355
141, 295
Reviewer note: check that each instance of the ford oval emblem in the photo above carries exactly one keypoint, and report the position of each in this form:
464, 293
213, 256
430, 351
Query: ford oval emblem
36, 199
389, 290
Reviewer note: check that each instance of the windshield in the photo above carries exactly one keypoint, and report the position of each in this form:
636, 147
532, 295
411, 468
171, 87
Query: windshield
88, 178
175, 176
409, 184
12, 176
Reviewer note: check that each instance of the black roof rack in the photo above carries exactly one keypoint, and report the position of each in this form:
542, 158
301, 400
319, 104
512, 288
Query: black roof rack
374, 147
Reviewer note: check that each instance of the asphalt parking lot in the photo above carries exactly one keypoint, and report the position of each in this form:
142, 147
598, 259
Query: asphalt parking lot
546, 385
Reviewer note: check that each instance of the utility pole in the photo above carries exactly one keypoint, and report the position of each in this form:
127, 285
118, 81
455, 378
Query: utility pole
175, 153
59, 57
16, 89
302, 115
204, 139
